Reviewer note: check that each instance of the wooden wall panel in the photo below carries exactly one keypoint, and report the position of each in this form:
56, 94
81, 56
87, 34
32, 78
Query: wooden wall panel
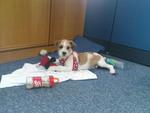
24, 23
19, 54
67, 19
27, 26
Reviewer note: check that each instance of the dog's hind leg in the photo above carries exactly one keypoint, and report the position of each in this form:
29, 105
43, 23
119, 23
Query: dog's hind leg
103, 64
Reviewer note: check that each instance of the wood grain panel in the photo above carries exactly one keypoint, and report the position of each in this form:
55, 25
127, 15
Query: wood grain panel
24, 23
67, 19
8, 56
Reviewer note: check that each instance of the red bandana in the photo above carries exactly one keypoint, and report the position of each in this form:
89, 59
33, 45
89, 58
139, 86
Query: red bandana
75, 62
62, 61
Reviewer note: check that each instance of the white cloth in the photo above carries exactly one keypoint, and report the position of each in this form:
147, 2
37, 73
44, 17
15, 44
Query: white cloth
18, 77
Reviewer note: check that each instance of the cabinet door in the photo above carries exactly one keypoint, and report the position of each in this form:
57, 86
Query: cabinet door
24, 23
132, 26
67, 19
99, 19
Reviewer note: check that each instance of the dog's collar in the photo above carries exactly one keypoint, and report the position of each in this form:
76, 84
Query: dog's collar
75, 61
63, 60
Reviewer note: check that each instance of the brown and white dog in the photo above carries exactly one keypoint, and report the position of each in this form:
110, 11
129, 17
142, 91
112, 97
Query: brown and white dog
70, 60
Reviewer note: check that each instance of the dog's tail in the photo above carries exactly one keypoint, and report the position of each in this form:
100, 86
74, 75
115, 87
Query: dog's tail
43, 52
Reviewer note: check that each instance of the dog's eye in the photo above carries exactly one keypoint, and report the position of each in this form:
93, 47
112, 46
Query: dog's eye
68, 47
60, 47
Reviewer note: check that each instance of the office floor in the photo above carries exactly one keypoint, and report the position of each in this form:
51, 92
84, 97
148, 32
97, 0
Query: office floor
128, 92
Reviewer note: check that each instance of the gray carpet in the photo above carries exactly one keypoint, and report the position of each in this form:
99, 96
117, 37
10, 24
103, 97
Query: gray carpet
128, 92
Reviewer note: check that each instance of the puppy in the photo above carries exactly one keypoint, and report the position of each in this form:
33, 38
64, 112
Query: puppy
70, 60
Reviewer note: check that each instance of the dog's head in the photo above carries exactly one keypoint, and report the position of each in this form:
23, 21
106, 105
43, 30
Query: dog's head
65, 47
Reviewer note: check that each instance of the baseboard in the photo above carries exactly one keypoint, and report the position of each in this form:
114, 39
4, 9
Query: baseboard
132, 54
19, 54
128, 53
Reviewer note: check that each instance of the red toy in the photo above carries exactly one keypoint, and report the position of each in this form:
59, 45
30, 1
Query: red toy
38, 81
47, 61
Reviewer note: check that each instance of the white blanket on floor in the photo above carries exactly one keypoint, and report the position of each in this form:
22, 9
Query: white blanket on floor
19, 76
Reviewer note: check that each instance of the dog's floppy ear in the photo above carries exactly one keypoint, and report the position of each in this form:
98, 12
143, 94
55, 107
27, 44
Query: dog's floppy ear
56, 43
73, 44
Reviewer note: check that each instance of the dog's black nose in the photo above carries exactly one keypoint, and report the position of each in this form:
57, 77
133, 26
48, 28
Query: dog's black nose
64, 53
